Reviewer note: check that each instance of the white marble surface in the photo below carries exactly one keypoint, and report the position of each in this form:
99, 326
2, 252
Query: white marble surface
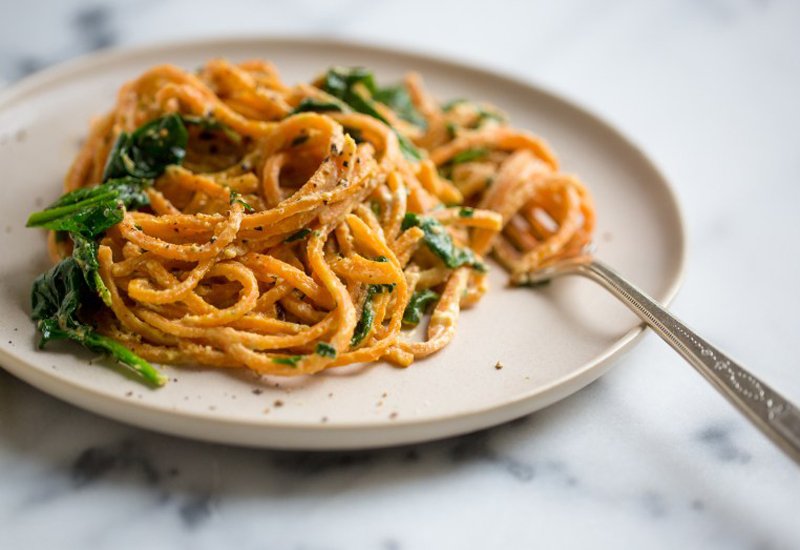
647, 457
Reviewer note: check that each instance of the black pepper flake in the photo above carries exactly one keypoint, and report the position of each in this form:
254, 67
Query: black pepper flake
345, 164
257, 391
259, 228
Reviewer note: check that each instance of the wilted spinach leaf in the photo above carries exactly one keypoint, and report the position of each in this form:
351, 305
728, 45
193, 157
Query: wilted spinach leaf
325, 350
91, 210
417, 305
314, 105
340, 82
365, 322
398, 100
301, 234
382, 287
291, 361
56, 299
212, 124
235, 196
84, 252
469, 155
441, 243
86, 213
148, 151
448, 106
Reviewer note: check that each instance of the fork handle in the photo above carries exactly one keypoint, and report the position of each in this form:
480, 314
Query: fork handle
766, 408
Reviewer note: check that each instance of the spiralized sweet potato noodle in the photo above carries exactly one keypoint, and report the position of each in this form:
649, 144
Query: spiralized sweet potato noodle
195, 279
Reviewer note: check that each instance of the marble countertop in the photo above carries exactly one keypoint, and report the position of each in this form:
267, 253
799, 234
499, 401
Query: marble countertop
649, 456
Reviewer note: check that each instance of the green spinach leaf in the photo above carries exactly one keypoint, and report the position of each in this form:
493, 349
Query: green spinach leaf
210, 123
448, 106
484, 114
314, 105
398, 100
441, 243
382, 287
340, 82
417, 305
364, 324
291, 360
469, 155
148, 151
300, 235
325, 350
91, 210
56, 299
84, 252
237, 197
86, 213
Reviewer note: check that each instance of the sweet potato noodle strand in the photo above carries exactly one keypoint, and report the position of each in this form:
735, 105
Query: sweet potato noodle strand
279, 285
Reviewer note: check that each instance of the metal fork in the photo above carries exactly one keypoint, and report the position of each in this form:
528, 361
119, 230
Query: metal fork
766, 408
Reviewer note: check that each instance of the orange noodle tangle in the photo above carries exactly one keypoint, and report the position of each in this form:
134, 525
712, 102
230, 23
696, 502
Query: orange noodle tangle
307, 226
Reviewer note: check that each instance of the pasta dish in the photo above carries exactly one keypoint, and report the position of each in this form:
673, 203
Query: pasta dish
220, 217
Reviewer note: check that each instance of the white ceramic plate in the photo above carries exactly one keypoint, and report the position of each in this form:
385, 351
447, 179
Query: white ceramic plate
551, 342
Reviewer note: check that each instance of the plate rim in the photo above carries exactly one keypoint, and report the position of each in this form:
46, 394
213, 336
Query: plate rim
536, 398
